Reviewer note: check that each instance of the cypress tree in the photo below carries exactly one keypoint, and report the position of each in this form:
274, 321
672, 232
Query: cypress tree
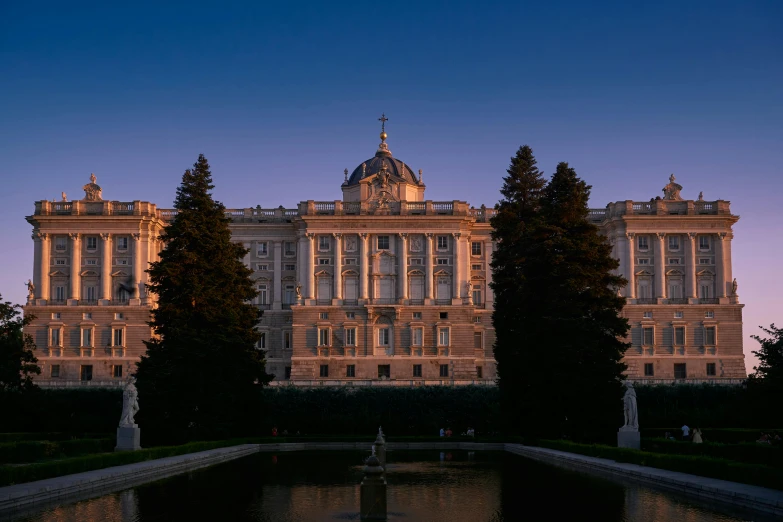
515, 325
202, 371
578, 310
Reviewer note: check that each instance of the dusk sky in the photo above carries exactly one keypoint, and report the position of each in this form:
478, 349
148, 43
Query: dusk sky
281, 97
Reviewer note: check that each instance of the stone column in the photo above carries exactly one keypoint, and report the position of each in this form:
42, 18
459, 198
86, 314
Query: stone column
301, 264
690, 266
76, 260
311, 267
277, 300
338, 266
720, 264
37, 264
457, 287
364, 259
428, 267
727, 271
489, 295
402, 273
660, 267
630, 266
42, 285
137, 264
106, 266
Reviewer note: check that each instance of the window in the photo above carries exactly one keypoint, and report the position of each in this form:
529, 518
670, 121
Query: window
383, 337
59, 293
59, 243
289, 267
383, 242
648, 315
86, 372
417, 316
674, 260
644, 243
679, 335
444, 315
704, 242
288, 296
263, 294
477, 296
55, 370
444, 370
674, 242
680, 371
323, 243
323, 315
92, 243
475, 267
709, 335
443, 243
87, 315
476, 319
262, 341
349, 261
91, 262
649, 370
414, 261
350, 336
384, 371
324, 370
286, 340
704, 261
86, 336
262, 249
709, 314
350, 370
55, 337
59, 262
479, 372
443, 261
122, 243
323, 261
289, 248
350, 315
92, 294
475, 248
478, 340
705, 290
711, 369
643, 261
117, 336
287, 372
678, 315
117, 371
122, 295
123, 262
118, 316
417, 336
443, 337
56, 315
323, 337
647, 336
262, 266
417, 370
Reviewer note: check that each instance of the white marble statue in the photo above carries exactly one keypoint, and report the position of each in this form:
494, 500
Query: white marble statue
130, 404
629, 409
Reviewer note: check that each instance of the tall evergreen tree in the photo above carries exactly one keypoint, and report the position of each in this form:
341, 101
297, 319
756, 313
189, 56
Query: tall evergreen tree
515, 326
578, 310
17, 360
202, 370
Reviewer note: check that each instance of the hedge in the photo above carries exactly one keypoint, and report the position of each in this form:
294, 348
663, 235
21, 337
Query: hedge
33, 451
722, 435
17, 437
747, 452
724, 469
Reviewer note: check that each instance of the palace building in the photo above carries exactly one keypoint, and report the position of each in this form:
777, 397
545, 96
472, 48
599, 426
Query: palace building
380, 287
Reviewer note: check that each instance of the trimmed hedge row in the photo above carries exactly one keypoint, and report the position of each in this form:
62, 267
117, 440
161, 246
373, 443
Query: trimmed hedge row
18, 437
18, 474
34, 451
747, 452
722, 435
724, 469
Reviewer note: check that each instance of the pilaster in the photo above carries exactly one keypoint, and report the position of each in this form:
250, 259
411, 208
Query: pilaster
106, 247
402, 273
660, 267
277, 300
338, 269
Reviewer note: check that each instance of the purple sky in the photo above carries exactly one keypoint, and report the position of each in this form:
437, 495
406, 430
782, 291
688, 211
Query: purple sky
282, 98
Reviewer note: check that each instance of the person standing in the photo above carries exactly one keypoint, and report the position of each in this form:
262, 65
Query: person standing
686, 432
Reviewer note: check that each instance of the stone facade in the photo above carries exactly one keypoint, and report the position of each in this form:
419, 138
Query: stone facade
382, 286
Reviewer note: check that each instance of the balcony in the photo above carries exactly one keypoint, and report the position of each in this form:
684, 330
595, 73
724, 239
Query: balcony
88, 302
646, 300
351, 302
677, 300
709, 300
323, 302
442, 301
119, 302
264, 306
416, 302
384, 301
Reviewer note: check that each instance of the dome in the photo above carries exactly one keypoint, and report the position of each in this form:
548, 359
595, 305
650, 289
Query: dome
373, 165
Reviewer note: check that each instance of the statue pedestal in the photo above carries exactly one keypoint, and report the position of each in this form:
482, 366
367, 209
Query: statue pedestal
629, 439
128, 439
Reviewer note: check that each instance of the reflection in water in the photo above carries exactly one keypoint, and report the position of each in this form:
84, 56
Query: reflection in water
324, 486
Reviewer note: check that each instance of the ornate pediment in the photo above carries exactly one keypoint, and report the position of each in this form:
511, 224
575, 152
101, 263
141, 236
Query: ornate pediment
442, 272
644, 273
89, 273
322, 273
415, 272
674, 272
705, 273
119, 273
350, 272
57, 273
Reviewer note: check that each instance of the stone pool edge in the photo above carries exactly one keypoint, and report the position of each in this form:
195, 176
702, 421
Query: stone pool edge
80, 486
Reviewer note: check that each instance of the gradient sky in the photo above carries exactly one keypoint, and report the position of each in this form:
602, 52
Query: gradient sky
282, 96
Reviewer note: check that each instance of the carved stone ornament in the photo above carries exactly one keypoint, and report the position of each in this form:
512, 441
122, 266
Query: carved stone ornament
672, 190
416, 243
92, 191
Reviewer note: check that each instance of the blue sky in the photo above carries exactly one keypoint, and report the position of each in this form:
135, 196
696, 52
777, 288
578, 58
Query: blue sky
282, 96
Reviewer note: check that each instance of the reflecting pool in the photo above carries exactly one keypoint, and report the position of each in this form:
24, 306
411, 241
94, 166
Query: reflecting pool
430, 486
